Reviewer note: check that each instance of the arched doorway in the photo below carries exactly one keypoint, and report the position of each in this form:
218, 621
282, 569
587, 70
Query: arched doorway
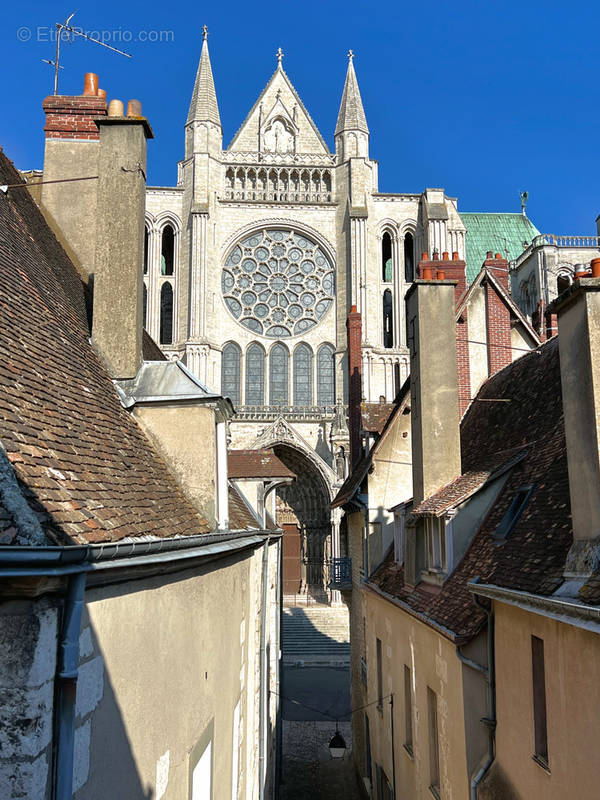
304, 514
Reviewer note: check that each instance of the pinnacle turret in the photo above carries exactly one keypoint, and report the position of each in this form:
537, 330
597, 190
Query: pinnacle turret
351, 116
204, 107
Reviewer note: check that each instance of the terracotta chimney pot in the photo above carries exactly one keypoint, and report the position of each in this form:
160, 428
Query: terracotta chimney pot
455, 255
441, 275
424, 256
488, 254
580, 271
436, 256
90, 84
595, 267
498, 256
427, 273
446, 255
115, 108
102, 94
134, 108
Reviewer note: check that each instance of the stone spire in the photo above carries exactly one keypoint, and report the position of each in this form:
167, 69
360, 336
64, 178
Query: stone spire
204, 107
352, 114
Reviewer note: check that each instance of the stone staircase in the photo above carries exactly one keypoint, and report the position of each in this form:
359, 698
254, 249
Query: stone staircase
315, 635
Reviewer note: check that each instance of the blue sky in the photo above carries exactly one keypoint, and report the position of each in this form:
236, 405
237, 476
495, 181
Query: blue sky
483, 99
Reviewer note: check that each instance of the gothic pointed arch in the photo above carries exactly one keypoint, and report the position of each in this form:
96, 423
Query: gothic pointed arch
255, 375
230, 372
303, 375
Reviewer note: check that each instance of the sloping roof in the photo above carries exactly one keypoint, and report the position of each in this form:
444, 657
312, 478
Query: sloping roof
533, 556
203, 105
240, 516
256, 464
86, 464
507, 234
351, 116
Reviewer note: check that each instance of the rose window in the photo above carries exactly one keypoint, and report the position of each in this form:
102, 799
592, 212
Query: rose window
278, 283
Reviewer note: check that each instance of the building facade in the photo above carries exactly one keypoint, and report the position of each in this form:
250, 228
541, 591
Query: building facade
253, 261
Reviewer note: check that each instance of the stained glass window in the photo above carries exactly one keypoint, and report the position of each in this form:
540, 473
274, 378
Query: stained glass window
167, 251
409, 258
278, 283
302, 375
325, 376
388, 326
166, 314
278, 376
255, 375
230, 373
386, 258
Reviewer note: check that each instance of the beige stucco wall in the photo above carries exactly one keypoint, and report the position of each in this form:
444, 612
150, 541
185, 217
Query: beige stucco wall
572, 675
185, 437
167, 661
434, 664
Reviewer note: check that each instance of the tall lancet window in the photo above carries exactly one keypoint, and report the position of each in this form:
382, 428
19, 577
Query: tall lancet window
303, 375
409, 258
230, 372
325, 376
166, 314
388, 319
145, 306
386, 258
255, 375
167, 251
278, 376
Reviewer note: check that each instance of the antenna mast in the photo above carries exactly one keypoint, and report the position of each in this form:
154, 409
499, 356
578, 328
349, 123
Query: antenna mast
65, 26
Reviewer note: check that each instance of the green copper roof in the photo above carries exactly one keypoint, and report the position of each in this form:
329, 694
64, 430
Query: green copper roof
508, 234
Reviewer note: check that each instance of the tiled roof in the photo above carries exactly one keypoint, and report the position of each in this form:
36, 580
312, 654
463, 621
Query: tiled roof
507, 234
533, 556
375, 416
256, 464
79, 455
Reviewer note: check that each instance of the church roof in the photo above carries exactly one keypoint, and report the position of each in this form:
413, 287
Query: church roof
352, 114
203, 106
508, 234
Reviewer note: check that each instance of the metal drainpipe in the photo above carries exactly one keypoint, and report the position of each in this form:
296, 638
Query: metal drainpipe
67, 673
491, 682
263, 694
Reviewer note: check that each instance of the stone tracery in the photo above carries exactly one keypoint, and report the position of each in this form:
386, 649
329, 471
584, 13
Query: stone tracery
278, 283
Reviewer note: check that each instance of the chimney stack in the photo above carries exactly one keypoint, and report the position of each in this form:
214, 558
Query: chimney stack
578, 310
71, 151
433, 384
118, 278
354, 327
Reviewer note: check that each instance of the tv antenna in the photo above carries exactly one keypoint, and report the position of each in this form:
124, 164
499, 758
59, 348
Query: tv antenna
71, 31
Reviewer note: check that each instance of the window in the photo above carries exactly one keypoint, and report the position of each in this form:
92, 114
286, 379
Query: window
539, 701
167, 251
145, 305
386, 258
379, 676
435, 537
146, 238
562, 282
325, 376
230, 373
302, 375
278, 376
255, 375
388, 324
409, 258
166, 314
408, 731
384, 787
434, 755
514, 511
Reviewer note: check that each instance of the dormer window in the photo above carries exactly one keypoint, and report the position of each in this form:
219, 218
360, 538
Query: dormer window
514, 511
435, 543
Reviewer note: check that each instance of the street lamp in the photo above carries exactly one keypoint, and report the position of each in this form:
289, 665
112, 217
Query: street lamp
337, 745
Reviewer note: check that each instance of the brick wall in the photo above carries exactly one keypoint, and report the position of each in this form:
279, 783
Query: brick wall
73, 117
498, 331
354, 328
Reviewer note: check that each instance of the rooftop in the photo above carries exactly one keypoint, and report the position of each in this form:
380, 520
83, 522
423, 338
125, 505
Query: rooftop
508, 234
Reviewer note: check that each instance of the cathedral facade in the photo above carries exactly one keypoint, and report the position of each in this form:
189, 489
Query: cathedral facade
255, 258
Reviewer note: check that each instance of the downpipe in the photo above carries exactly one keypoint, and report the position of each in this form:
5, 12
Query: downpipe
490, 721
66, 678
263, 695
